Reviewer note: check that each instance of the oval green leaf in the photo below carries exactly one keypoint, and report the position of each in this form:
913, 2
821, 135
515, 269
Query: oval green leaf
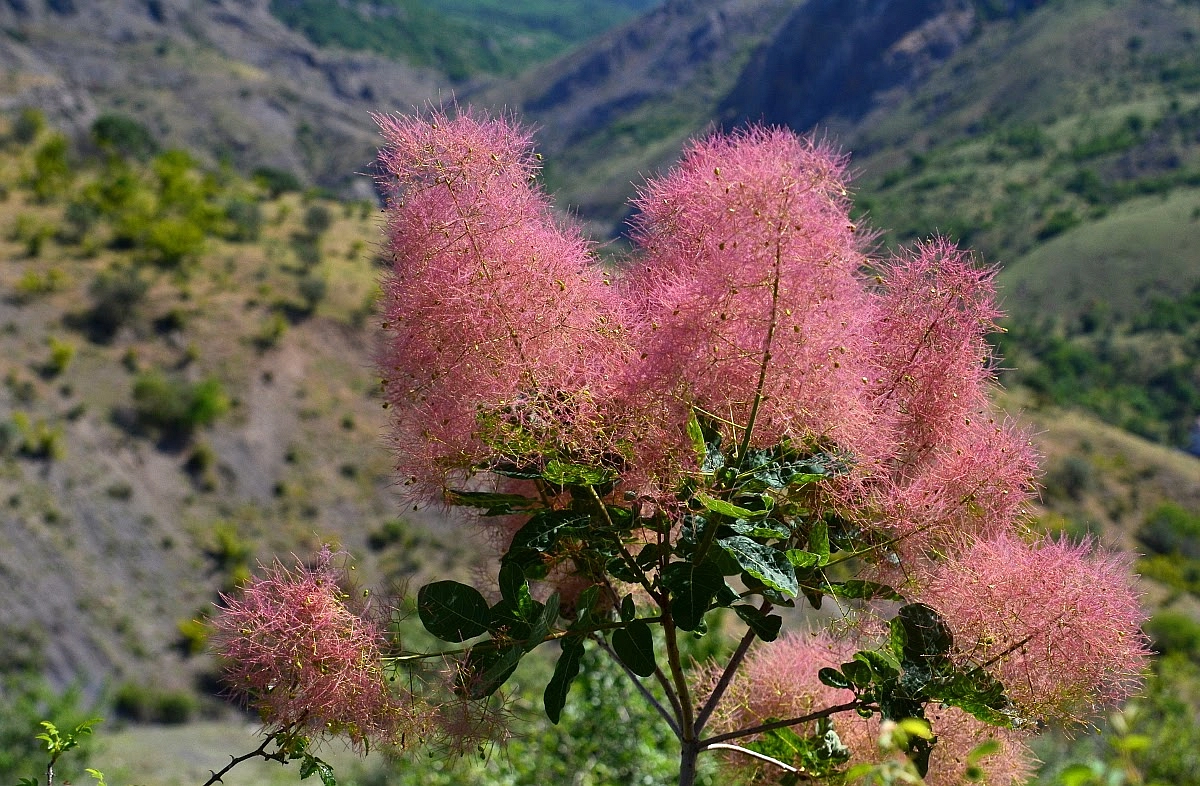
452, 611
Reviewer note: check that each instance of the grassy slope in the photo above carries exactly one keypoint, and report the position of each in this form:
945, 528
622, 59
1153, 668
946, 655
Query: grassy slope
1144, 248
117, 532
1036, 145
461, 38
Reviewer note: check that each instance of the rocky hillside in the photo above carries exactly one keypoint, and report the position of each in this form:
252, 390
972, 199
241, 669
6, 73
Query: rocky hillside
224, 79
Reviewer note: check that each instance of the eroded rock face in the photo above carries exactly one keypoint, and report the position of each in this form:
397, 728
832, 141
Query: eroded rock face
651, 59
841, 57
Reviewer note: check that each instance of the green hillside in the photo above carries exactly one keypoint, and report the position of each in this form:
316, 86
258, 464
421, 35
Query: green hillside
460, 38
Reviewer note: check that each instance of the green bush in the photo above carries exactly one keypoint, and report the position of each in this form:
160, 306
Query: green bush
28, 125
116, 294
313, 288
1171, 529
317, 220
52, 171
146, 704
245, 219
174, 407
277, 181
61, 355
1175, 632
35, 283
171, 241
123, 136
36, 439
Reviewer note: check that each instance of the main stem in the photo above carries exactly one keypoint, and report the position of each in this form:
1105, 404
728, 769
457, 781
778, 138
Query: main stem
688, 755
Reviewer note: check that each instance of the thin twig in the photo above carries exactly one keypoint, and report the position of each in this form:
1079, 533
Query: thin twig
260, 751
755, 754
735, 662
783, 724
642, 689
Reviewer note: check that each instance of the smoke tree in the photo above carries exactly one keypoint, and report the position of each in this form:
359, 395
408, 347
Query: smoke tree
751, 414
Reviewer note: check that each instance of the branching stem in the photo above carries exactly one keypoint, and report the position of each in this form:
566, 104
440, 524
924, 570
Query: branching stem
782, 724
735, 662
642, 689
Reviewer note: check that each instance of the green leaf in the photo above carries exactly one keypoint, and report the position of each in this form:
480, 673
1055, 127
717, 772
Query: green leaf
452, 611
565, 673
515, 471
546, 617
560, 473
634, 645
512, 581
978, 693
584, 607
983, 750
804, 559
628, 609
650, 553
833, 678
492, 504
693, 589
882, 662
542, 535
619, 569
857, 672
765, 529
486, 669
920, 633
863, 590
696, 435
768, 565
728, 508
1079, 775
764, 626
818, 541
311, 765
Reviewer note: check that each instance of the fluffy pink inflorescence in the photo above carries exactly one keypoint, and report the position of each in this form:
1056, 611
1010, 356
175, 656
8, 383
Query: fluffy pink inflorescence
933, 313
496, 315
295, 652
949, 465
958, 734
779, 680
750, 261
1056, 622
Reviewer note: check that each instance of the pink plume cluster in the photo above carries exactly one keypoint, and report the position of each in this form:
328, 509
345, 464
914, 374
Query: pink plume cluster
747, 300
779, 681
299, 655
749, 287
498, 321
1057, 623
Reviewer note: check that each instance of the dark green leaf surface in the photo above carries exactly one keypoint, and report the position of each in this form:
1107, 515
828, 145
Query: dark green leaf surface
634, 645
766, 627
452, 611
565, 673
768, 565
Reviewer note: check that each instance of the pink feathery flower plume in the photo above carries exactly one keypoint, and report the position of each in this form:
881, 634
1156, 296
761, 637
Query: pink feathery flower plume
948, 464
499, 325
958, 735
978, 484
750, 280
299, 655
779, 680
1057, 623
933, 314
